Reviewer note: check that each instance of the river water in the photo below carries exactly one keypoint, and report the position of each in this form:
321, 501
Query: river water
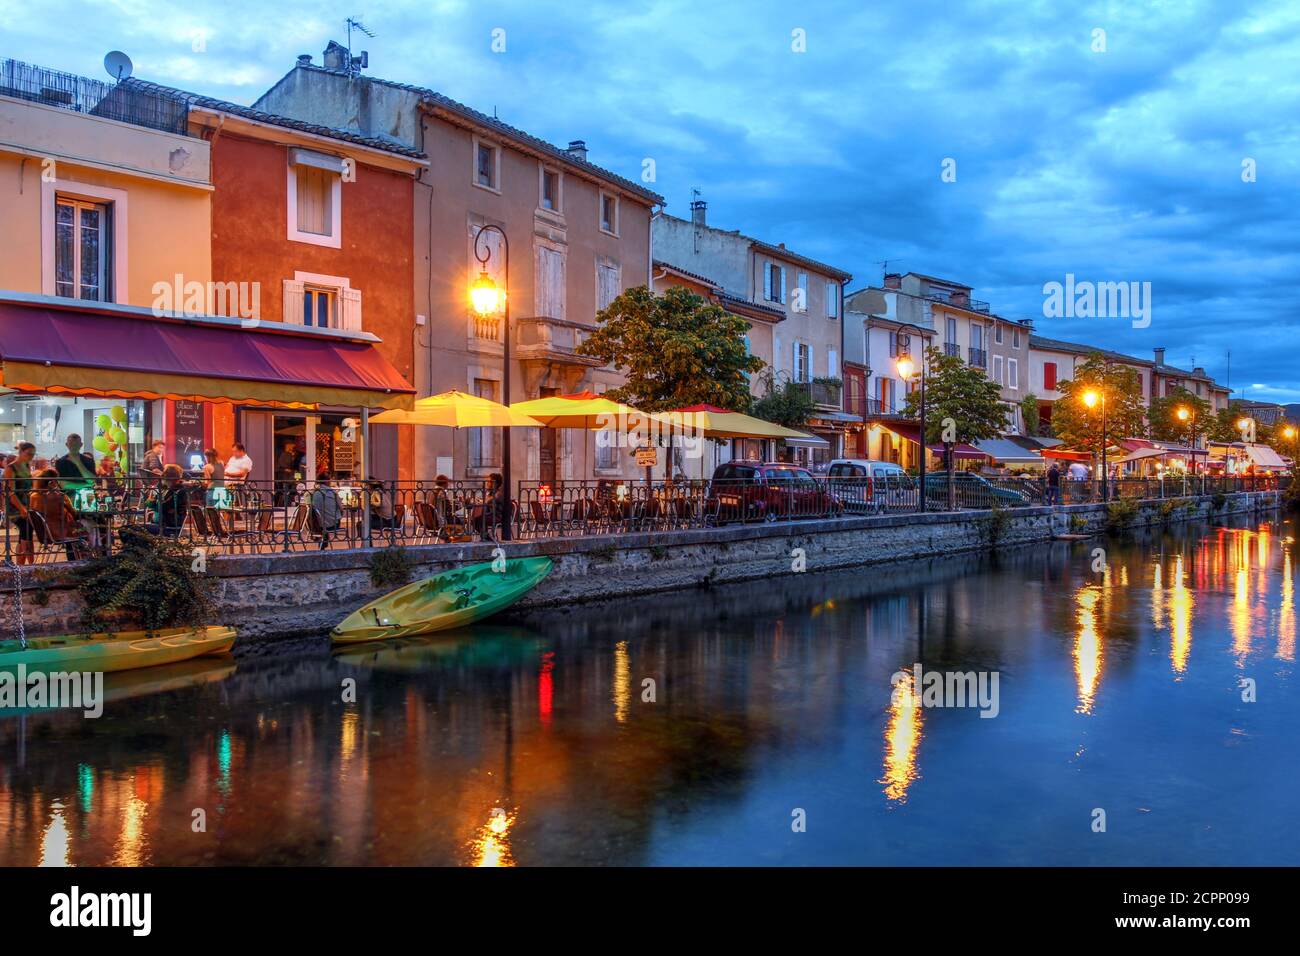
748, 724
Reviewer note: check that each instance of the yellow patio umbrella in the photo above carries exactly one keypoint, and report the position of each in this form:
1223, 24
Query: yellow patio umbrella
456, 409
717, 422
585, 410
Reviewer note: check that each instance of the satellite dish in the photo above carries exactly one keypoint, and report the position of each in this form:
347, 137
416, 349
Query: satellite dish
118, 65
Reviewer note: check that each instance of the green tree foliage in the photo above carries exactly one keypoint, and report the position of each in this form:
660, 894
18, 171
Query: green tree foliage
1029, 412
676, 349
786, 403
1167, 426
1079, 426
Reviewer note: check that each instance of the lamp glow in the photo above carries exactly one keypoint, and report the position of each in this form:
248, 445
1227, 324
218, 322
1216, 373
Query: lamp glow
1091, 397
1184, 414
485, 295
905, 366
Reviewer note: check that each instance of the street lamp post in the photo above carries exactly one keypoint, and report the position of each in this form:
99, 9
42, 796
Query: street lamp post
1189, 415
906, 366
486, 297
1090, 398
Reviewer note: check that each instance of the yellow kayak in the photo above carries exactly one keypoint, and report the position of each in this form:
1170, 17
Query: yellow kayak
445, 601
124, 650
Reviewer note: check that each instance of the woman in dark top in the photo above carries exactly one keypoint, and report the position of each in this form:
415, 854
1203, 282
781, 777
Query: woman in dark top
170, 504
18, 483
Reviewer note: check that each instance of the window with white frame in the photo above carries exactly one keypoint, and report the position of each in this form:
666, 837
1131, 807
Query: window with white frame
832, 364
485, 443
996, 372
322, 302
802, 362
83, 250
1015, 338
549, 190
832, 300
315, 213
487, 165
801, 296
609, 214
997, 334
1013, 374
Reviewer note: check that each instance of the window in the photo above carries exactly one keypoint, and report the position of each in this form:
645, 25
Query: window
801, 298
977, 337
950, 336
1015, 338
832, 300
549, 284
609, 214
802, 362
1013, 374
322, 302
82, 247
607, 450
315, 198
1049, 376
319, 306
893, 345
774, 282
997, 369
487, 166
485, 443
832, 364
997, 334
608, 283
550, 190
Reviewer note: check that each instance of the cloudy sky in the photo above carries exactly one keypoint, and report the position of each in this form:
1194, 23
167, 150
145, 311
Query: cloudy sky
1113, 157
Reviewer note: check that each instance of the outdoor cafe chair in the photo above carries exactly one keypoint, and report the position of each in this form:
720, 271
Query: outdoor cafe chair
50, 547
295, 526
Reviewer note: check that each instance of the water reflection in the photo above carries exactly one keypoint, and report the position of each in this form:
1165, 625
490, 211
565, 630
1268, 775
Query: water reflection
529, 743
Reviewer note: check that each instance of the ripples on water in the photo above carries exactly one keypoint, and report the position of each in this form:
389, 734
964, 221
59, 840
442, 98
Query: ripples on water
537, 742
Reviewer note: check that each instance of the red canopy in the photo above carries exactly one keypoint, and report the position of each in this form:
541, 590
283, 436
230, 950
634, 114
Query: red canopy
130, 353
913, 434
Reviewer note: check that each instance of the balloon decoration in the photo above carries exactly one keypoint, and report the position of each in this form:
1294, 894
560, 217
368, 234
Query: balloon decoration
111, 435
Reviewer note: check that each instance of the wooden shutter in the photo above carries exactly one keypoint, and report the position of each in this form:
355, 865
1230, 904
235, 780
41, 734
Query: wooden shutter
350, 309
767, 282
782, 285
292, 301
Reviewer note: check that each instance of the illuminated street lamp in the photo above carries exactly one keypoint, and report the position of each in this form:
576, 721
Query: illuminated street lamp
487, 298
1090, 398
1188, 415
906, 368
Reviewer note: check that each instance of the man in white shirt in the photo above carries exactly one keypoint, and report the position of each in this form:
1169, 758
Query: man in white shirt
239, 466
1078, 471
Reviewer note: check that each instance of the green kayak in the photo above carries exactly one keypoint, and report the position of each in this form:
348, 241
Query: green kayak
445, 601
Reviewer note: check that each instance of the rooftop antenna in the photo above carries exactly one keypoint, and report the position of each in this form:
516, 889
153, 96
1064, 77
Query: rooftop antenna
884, 265
357, 63
118, 65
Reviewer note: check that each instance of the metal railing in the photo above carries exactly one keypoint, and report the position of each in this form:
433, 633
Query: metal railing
977, 358
122, 101
47, 520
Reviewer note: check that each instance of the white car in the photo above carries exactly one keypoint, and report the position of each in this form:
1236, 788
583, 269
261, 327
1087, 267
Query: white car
867, 486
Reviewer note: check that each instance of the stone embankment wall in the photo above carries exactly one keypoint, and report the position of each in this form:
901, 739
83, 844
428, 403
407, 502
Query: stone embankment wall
289, 595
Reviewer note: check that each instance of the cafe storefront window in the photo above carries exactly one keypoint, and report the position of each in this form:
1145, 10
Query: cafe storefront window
116, 428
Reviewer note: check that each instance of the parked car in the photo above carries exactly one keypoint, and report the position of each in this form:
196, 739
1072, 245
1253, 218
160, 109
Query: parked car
866, 486
767, 491
970, 490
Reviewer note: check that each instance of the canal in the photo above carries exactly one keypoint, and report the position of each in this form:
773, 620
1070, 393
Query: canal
748, 724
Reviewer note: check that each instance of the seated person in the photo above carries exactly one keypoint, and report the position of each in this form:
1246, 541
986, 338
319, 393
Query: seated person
49, 501
324, 501
486, 517
170, 503
382, 515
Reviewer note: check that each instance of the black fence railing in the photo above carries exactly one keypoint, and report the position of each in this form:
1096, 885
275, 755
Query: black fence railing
124, 102
49, 519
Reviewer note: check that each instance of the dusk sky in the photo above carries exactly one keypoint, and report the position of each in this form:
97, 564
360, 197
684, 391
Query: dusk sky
1117, 165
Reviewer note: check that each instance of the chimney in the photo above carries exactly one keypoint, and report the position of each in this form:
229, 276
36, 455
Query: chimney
304, 59
336, 57
893, 280
699, 210
960, 297
1160, 356
577, 149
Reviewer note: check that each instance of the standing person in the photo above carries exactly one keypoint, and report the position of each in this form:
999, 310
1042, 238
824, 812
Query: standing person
76, 468
288, 465
153, 460
238, 466
18, 479
1054, 484
214, 476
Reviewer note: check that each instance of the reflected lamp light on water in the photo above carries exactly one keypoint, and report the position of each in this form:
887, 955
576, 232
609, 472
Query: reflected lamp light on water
485, 295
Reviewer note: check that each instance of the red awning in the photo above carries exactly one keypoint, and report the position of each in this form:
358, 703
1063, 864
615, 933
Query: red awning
1064, 454
913, 434
130, 353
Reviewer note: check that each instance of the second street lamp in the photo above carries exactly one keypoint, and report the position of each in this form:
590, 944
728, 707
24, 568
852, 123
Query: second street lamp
487, 297
906, 368
1188, 415
1090, 398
